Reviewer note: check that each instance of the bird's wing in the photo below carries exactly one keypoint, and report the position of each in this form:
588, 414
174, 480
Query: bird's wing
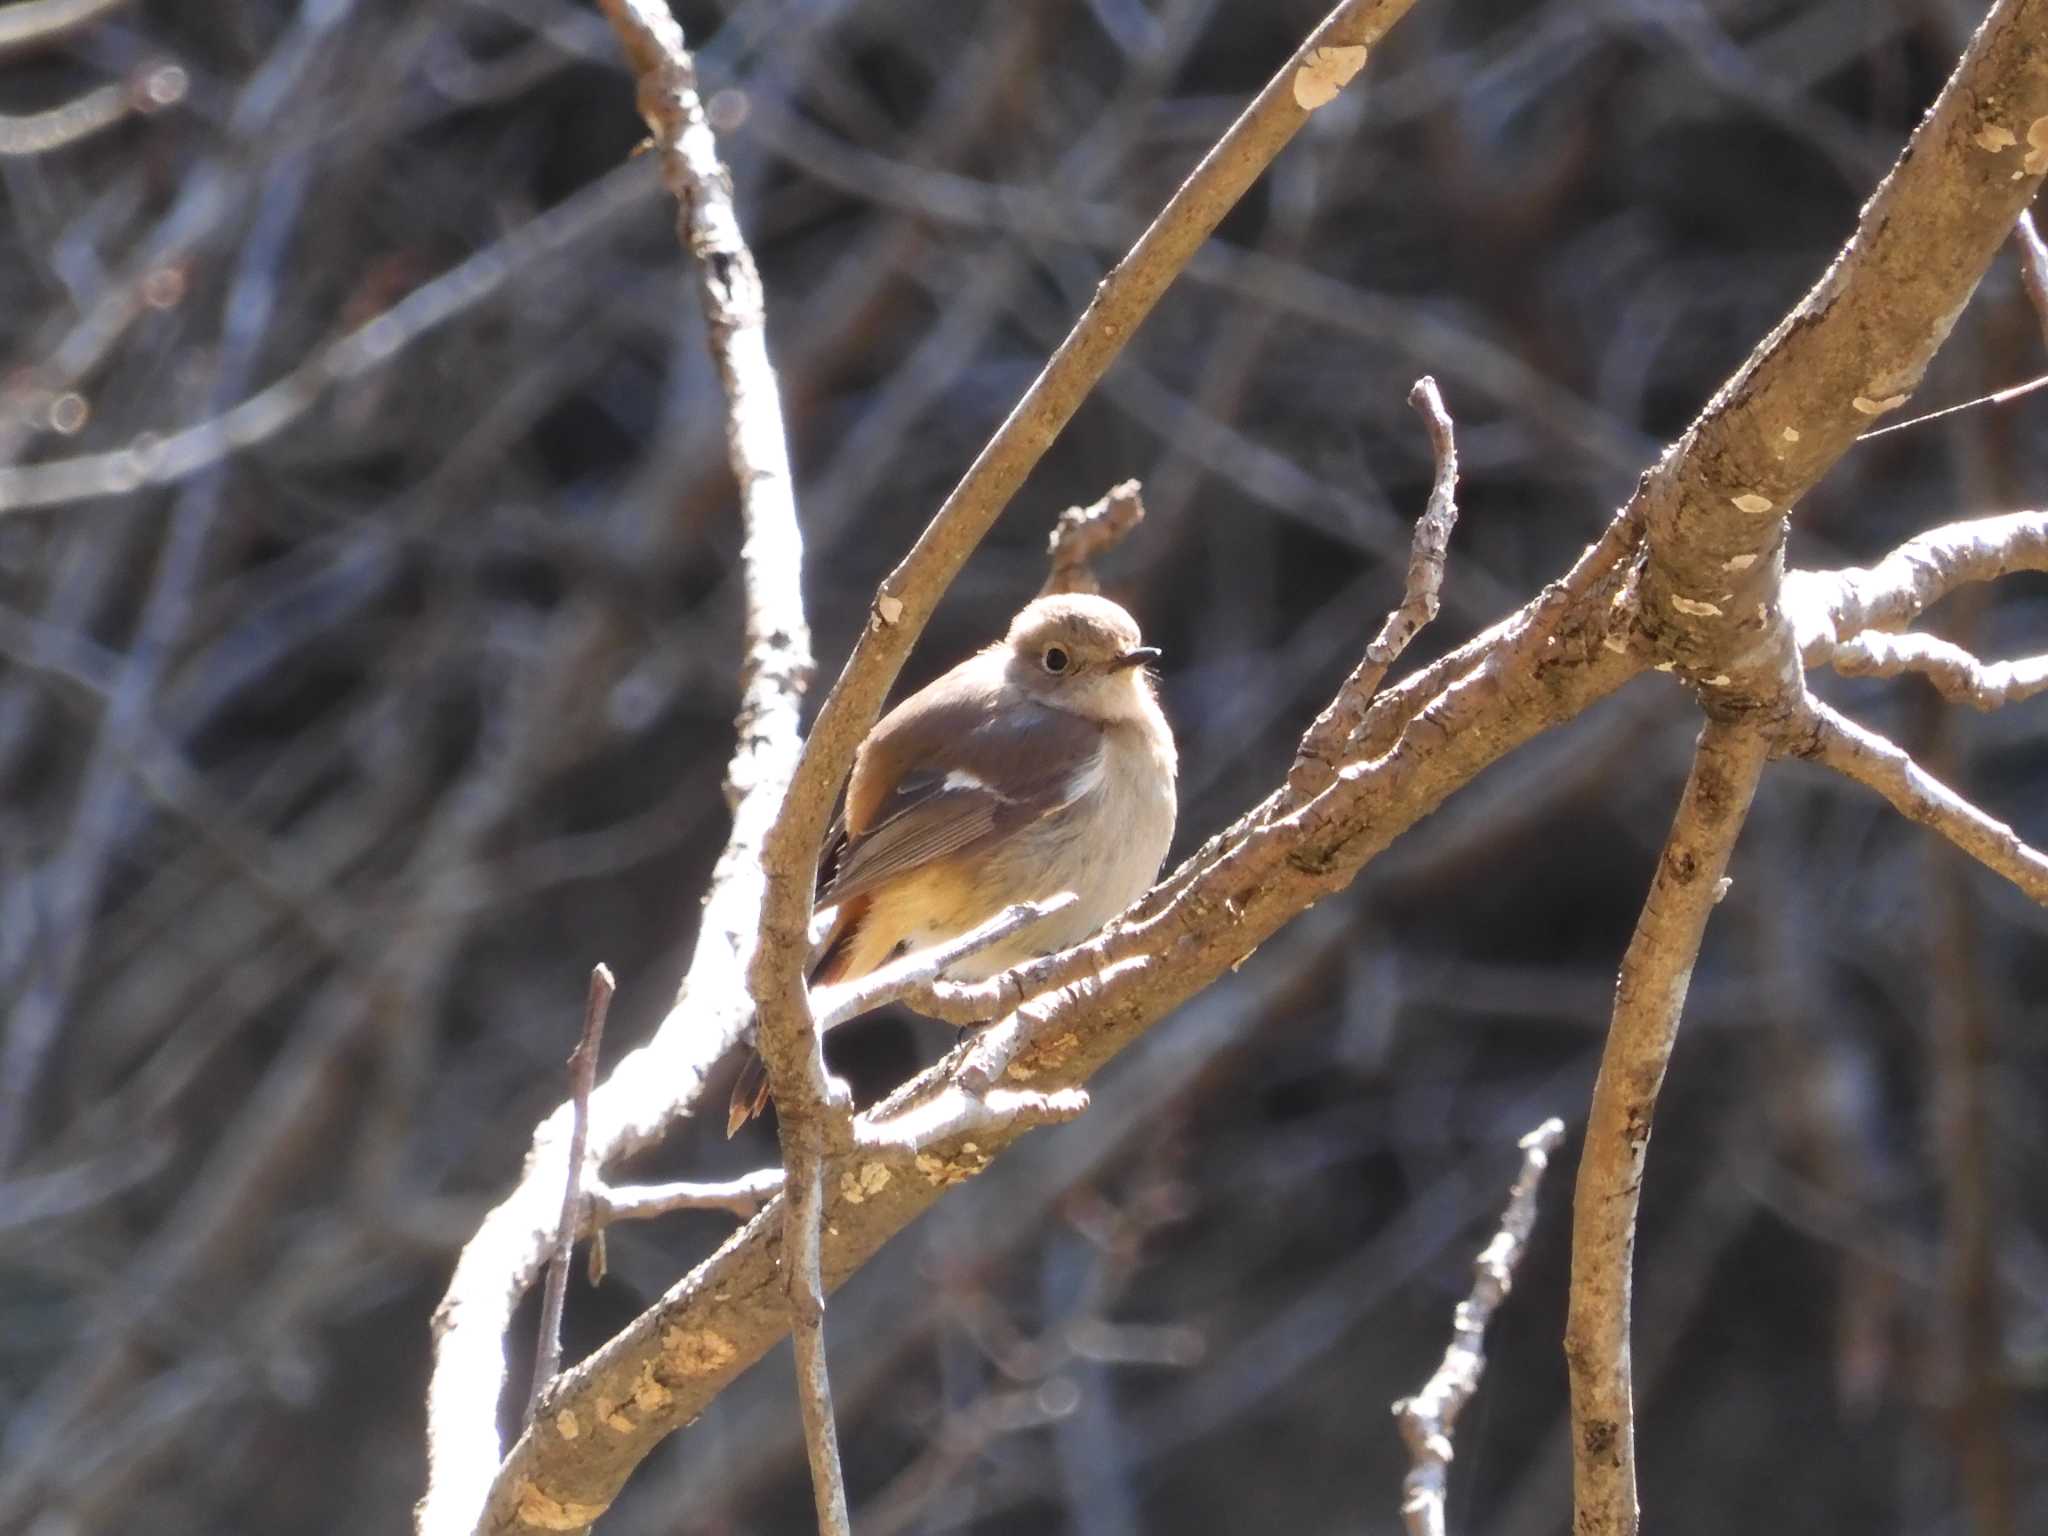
945, 781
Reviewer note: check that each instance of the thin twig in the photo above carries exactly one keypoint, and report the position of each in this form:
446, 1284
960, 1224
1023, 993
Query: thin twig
2033, 266
1832, 739
34, 22
1955, 674
804, 1281
607, 1205
1648, 999
547, 1354
1826, 607
1085, 533
1430, 1418
1323, 748
915, 977
958, 1112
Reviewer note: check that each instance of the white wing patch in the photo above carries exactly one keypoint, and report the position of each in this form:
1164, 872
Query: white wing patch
960, 778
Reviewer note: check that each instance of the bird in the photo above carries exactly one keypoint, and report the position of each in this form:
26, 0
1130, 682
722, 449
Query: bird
1040, 765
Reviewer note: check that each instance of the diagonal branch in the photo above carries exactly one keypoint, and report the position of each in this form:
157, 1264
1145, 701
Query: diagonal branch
1849, 352
1648, 999
1956, 675
1310, 79
1429, 1418
652, 1087
1826, 608
1837, 742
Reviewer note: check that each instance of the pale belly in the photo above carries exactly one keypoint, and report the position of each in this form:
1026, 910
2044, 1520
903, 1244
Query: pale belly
1106, 848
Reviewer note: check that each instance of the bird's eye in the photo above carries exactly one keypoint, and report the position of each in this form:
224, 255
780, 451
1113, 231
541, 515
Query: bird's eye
1055, 658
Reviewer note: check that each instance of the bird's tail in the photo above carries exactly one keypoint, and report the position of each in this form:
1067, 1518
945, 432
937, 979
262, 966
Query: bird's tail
750, 1088
749, 1093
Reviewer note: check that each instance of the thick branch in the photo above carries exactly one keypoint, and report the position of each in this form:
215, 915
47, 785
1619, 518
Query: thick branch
807, 1115
1430, 1417
1648, 1000
1838, 742
652, 1087
1852, 350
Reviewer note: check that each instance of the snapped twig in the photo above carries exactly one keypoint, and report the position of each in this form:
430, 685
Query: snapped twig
1084, 534
1648, 999
1430, 1417
547, 1354
1323, 748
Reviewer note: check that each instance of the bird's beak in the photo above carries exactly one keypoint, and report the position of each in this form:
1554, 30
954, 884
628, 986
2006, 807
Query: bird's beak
1138, 658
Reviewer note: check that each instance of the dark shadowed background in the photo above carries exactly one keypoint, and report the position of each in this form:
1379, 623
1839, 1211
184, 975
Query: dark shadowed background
340, 736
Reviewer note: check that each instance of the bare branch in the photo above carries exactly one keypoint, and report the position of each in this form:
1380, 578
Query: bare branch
151, 89
804, 1283
1323, 748
810, 1120
915, 977
547, 1354
1956, 675
1084, 534
958, 1112
607, 1204
30, 22
1827, 737
1333, 53
1825, 608
1648, 1000
652, 1087
1851, 351
729, 1310
1430, 1417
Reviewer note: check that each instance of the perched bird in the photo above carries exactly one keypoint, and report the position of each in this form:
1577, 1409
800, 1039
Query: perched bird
1042, 764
